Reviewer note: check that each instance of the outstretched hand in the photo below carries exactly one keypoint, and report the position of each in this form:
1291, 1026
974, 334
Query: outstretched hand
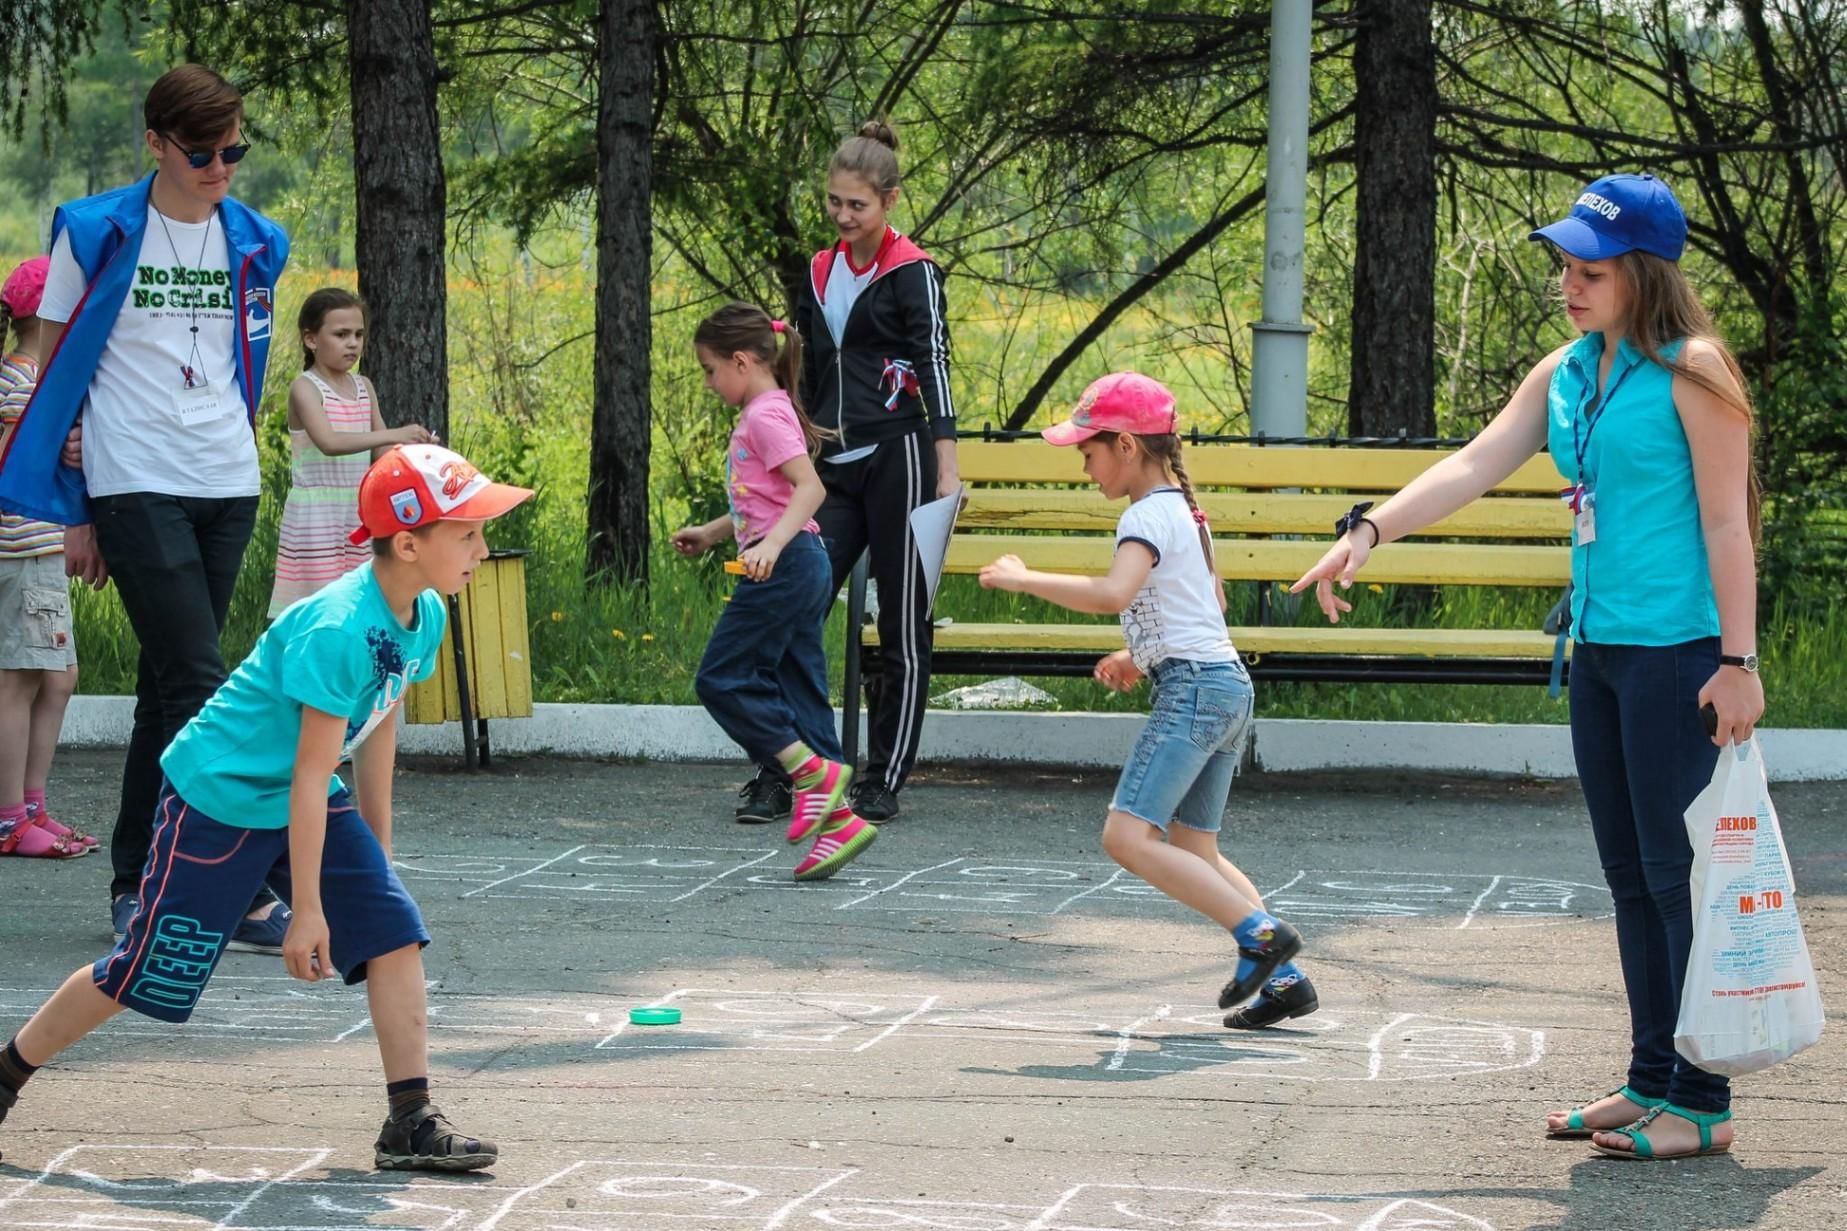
1340, 563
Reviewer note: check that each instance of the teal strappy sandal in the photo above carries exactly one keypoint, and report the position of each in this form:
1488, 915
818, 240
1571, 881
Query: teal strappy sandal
1644, 1150
1575, 1129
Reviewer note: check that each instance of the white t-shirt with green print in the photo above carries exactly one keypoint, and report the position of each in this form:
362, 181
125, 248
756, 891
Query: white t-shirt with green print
136, 436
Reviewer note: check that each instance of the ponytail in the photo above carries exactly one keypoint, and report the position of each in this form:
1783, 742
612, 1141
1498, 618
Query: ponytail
742, 328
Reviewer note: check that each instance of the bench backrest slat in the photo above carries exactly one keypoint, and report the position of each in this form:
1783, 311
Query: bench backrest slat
1230, 512
1472, 564
1246, 466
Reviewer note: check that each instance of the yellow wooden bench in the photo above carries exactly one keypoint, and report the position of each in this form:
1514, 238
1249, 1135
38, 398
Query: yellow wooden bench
1272, 512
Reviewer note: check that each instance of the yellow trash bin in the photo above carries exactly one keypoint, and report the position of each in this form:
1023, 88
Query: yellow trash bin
489, 616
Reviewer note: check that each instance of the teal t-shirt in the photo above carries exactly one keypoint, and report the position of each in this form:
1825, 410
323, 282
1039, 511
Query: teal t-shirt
1645, 579
341, 651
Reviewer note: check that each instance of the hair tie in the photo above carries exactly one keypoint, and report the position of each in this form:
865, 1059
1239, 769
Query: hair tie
1199, 517
778, 326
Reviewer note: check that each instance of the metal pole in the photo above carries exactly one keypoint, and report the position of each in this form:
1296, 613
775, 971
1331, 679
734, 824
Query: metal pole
1279, 351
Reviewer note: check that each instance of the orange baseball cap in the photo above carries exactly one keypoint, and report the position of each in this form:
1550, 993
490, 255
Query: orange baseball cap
414, 485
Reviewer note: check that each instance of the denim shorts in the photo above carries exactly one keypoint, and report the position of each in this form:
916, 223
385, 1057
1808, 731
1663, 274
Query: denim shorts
1188, 753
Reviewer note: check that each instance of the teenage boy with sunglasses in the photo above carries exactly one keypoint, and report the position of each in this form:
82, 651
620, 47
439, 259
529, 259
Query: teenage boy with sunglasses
140, 438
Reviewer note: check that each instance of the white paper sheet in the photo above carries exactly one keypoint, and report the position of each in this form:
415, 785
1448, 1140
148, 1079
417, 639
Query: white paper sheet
931, 526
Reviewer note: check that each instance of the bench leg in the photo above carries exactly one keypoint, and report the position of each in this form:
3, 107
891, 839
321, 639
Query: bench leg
855, 657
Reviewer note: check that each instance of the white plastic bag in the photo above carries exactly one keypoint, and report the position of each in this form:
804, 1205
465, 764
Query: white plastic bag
1750, 999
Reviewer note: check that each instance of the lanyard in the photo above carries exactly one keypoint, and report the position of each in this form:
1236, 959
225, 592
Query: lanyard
193, 370
1580, 445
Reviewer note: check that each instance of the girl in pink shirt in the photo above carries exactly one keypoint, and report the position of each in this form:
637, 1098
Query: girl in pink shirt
764, 674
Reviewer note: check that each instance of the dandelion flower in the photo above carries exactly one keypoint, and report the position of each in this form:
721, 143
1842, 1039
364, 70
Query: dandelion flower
1376, 588
618, 634
557, 617
647, 636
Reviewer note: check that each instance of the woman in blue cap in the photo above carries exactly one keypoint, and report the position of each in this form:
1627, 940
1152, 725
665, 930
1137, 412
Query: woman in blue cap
1647, 417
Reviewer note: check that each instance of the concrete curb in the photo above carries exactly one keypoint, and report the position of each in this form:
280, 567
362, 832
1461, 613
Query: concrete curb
1078, 741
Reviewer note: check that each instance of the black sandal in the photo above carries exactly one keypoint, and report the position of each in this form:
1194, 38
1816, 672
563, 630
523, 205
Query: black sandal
424, 1140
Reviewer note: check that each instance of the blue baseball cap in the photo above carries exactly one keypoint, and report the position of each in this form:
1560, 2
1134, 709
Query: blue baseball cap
1618, 214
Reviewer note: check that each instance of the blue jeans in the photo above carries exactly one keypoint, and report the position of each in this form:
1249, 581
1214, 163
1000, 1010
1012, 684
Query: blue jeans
1643, 755
1188, 752
764, 674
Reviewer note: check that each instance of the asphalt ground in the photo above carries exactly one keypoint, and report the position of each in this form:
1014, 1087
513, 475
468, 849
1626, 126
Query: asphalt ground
981, 1026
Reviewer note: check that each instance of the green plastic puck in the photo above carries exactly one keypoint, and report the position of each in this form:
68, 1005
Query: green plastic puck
654, 1017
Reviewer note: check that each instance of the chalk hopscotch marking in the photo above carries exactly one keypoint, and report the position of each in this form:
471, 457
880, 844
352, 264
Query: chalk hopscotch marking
1333, 1045
660, 874
225, 1188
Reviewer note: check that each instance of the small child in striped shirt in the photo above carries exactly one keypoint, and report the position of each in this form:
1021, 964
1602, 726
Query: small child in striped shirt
38, 647
335, 430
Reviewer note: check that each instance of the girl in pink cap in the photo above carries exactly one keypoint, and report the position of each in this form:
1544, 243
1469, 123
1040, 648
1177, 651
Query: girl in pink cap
1164, 820
38, 649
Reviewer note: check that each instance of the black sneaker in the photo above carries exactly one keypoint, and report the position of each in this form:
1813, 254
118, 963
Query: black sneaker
1279, 1001
1259, 962
424, 1140
763, 799
874, 801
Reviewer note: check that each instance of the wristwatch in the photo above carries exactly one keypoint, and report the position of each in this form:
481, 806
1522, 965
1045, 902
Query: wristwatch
1747, 661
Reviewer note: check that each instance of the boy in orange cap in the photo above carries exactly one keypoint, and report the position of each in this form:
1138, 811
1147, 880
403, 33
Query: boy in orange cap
251, 796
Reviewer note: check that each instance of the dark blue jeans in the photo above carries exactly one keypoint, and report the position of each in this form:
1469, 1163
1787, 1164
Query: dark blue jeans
764, 674
1643, 755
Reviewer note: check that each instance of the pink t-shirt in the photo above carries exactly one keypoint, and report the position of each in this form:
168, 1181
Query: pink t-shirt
766, 437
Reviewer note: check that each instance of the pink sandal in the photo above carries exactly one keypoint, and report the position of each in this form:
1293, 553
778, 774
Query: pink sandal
25, 839
58, 829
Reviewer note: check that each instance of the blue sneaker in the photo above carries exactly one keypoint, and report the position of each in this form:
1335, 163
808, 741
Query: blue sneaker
121, 911
262, 935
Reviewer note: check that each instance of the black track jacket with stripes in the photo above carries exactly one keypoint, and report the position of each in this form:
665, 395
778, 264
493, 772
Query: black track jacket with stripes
889, 374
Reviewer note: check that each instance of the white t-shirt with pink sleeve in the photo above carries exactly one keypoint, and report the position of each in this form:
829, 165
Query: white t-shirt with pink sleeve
767, 436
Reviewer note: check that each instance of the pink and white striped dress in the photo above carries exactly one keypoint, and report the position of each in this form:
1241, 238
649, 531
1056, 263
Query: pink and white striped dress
323, 503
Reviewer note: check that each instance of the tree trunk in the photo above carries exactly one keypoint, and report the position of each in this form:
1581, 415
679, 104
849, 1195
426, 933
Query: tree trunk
1392, 385
620, 424
402, 206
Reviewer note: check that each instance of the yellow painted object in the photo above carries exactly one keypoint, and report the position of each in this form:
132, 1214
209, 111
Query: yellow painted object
1258, 640
1252, 512
1246, 466
497, 643
1468, 564
1272, 512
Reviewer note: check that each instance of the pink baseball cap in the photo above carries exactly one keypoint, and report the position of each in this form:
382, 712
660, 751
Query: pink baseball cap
1119, 402
24, 287
414, 485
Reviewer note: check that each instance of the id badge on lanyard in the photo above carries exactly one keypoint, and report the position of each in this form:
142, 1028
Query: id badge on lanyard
202, 403
1581, 497
1582, 502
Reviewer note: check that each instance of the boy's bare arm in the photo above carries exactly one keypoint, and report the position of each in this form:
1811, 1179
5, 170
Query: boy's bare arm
317, 755
374, 762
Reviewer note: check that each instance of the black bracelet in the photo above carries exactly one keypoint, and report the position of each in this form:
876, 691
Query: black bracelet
1356, 516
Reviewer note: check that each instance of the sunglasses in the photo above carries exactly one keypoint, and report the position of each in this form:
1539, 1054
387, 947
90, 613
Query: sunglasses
198, 160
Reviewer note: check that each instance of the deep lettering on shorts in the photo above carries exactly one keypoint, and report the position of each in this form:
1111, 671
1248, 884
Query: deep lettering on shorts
179, 961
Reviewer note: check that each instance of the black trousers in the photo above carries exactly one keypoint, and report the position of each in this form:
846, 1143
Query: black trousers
174, 560
868, 508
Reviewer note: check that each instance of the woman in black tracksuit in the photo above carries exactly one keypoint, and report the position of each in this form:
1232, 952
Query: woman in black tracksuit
875, 372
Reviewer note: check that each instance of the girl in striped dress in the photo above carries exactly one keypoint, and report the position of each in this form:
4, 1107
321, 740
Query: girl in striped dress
335, 429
